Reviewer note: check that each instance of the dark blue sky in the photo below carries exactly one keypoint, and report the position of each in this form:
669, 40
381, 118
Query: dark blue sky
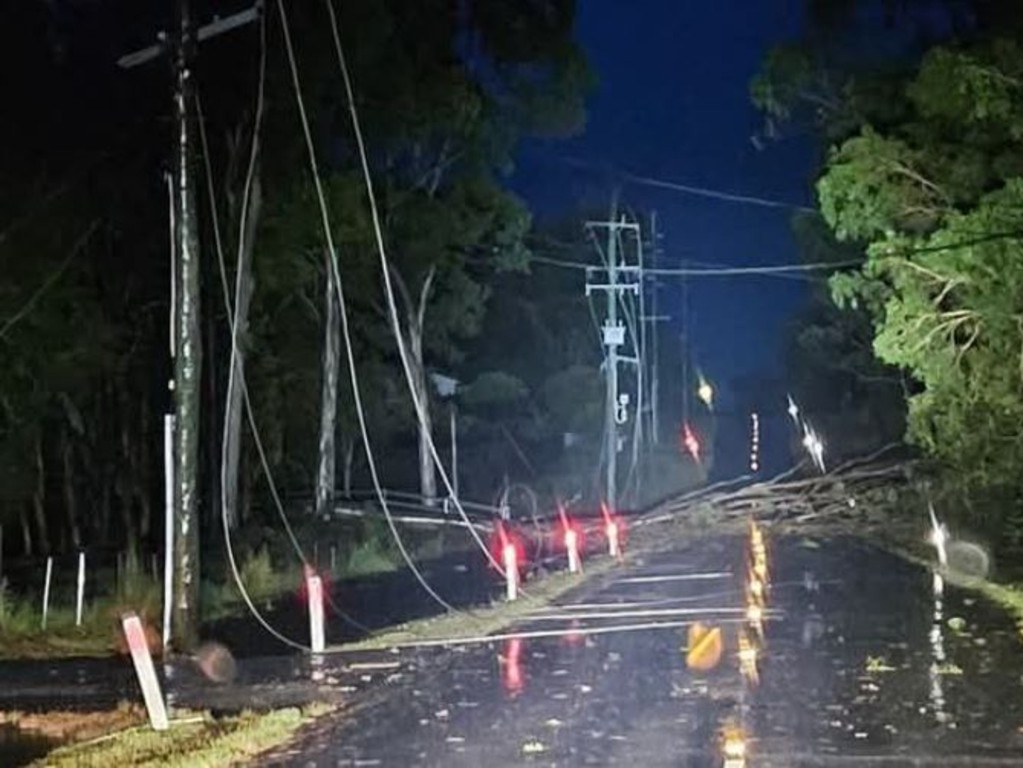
673, 102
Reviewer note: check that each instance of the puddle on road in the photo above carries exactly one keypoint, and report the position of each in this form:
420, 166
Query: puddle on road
867, 661
864, 668
889, 660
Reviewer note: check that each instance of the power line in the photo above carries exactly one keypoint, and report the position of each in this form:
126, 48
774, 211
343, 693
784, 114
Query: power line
715, 194
343, 307
389, 289
232, 314
690, 189
722, 271
50, 281
750, 270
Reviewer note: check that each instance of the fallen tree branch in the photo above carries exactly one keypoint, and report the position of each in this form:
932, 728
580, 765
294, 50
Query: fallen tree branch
802, 499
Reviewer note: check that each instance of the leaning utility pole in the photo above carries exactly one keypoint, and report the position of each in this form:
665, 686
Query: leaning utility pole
621, 278
181, 572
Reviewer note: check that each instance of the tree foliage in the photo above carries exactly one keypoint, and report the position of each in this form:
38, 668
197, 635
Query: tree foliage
444, 91
939, 201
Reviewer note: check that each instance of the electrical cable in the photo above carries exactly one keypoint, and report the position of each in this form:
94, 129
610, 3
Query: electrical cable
776, 269
343, 307
708, 265
715, 194
389, 290
231, 315
690, 189
233, 360
50, 281
253, 425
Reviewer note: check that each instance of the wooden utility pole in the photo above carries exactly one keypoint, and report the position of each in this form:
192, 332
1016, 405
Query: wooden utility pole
188, 360
182, 530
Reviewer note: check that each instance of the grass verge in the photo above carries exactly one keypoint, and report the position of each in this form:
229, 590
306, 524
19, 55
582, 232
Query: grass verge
194, 740
486, 620
268, 579
1008, 596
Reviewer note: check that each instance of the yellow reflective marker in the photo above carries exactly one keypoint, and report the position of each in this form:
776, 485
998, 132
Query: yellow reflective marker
705, 647
733, 747
748, 659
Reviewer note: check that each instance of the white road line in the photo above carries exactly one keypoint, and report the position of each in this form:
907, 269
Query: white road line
637, 614
577, 631
675, 577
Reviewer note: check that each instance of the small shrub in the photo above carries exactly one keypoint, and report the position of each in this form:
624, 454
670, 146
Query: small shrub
16, 615
261, 581
136, 590
370, 557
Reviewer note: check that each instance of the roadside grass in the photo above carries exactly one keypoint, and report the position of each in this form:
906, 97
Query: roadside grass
194, 739
371, 557
1008, 596
199, 739
267, 578
22, 635
61, 726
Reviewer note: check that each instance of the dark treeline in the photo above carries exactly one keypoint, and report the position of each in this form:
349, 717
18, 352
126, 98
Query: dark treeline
445, 90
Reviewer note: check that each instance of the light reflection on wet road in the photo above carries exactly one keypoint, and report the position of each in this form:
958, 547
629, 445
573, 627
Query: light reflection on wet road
862, 664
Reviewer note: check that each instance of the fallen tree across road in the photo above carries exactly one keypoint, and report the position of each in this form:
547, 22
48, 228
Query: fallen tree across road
862, 491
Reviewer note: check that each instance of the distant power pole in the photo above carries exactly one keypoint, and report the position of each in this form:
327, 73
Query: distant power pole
182, 532
654, 347
621, 278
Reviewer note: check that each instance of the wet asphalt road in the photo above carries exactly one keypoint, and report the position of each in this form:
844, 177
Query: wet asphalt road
863, 661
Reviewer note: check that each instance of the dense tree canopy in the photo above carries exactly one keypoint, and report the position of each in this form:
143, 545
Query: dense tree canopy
923, 176
938, 201
444, 92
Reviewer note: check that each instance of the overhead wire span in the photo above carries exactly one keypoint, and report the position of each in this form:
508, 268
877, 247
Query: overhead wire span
242, 380
389, 289
51, 280
232, 315
722, 271
693, 264
343, 307
690, 189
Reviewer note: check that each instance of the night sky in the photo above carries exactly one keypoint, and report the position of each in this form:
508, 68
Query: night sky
673, 102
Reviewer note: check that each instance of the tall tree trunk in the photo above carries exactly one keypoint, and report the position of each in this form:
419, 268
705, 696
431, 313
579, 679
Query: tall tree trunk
143, 471
427, 471
26, 531
327, 459
124, 485
245, 492
104, 512
235, 399
39, 498
413, 337
70, 497
350, 445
